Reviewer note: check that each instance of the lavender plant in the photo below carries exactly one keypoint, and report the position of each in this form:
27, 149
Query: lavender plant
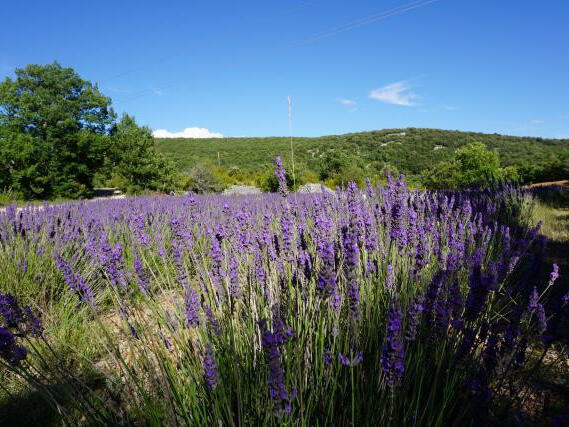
375, 307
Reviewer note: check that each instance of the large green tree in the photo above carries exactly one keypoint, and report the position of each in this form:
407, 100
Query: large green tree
53, 131
132, 161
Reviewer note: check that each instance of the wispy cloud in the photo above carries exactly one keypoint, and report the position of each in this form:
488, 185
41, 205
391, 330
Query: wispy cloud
157, 91
398, 93
193, 132
536, 121
118, 90
449, 107
350, 103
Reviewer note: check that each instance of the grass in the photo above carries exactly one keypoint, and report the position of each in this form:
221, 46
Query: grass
552, 209
555, 221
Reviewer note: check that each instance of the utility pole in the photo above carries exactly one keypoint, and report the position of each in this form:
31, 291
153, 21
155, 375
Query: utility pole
290, 132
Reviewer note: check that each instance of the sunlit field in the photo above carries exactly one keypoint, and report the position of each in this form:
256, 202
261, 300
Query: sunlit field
371, 306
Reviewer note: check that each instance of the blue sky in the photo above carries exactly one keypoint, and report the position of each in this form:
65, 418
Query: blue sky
228, 66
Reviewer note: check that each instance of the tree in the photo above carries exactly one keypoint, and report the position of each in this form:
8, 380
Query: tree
57, 124
477, 164
23, 165
133, 160
472, 165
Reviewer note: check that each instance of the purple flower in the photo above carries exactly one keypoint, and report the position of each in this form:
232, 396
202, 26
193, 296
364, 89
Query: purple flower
327, 358
353, 362
326, 284
393, 354
351, 257
281, 176
260, 272
234, 287
10, 311
272, 343
533, 300
389, 277
192, 306
554, 274
33, 323
212, 322
414, 318
398, 212
141, 275
9, 350
211, 376
75, 281
480, 285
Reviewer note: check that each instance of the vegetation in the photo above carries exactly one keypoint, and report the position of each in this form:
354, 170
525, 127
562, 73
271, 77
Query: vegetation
58, 134
472, 165
376, 307
336, 159
131, 161
53, 132
59, 137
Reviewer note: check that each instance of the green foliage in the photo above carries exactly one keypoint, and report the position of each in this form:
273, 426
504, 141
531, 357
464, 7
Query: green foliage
53, 131
477, 164
201, 179
58, 135
409, 151
271, 183
9, 196
132, 161
472, 165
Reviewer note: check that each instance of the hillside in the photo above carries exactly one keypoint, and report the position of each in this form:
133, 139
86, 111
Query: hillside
411, 151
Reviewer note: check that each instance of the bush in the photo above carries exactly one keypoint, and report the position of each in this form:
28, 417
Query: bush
472, 165
201, 179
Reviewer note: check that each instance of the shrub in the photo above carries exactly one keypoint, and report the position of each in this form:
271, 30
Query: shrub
202, 180
472, 165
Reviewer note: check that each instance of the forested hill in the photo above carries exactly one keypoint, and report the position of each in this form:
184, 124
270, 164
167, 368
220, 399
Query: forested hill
411, 151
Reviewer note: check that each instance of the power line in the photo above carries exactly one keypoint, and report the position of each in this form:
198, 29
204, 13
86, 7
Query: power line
366, 21
336, 30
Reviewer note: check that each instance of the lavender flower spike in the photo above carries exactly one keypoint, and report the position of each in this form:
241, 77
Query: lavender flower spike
281, 176
393, 355
211, 375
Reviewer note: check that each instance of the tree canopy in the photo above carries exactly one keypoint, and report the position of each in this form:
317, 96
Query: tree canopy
58, 132
132, 161
472, 165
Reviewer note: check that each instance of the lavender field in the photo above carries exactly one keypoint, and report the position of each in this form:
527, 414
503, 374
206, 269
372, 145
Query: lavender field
372, 306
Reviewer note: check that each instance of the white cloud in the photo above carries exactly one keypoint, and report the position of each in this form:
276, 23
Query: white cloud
347, 102
536, 121
194, 132
157, 91
350, 103
398, 93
